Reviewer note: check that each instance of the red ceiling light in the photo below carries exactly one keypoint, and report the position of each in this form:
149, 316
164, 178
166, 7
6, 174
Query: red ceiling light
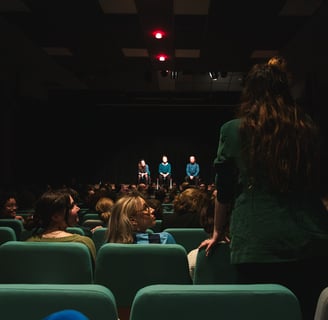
161, 57
158, 34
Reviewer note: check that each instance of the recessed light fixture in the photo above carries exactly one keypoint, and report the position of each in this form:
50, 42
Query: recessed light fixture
161, 57
158, 34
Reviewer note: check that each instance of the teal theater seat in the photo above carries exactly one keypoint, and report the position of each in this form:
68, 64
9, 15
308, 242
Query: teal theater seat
45, 262
189, 238
125, 268
7, 234
233, 302
36, 301
216, 267
15, 224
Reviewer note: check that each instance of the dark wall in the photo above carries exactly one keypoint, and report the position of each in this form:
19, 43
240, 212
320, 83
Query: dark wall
94, 143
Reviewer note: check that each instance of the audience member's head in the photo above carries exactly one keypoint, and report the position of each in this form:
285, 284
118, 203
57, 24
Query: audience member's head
104, 207
54, 210
130, 214
67, 314
8, 205
190, 200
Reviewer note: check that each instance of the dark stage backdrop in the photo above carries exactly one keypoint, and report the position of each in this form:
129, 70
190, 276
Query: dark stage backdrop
93, 143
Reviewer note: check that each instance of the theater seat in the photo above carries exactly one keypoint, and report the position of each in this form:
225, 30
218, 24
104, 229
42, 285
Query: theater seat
7, 234
233, 302
36, 301
125, 268
98, 237
15, 224
215, 268
189, 238
45, 262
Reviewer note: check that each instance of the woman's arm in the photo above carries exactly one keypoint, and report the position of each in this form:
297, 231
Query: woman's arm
221, 218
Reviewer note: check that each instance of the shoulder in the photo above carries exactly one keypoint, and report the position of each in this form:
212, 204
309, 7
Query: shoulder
166, 237
231, 124
84, 239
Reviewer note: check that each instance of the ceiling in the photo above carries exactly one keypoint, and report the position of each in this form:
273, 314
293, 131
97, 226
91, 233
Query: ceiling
106, 46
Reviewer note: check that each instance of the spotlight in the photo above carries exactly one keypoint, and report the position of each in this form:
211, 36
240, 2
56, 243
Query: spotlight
213, 75
158, 34
161, 57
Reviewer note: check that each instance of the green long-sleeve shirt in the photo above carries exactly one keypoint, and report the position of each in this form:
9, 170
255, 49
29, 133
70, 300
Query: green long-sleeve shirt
264, 226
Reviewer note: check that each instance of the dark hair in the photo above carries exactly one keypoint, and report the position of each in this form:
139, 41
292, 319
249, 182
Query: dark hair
278, 138
50, 203
5, 196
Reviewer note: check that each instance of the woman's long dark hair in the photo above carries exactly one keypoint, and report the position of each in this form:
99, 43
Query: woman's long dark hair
280, 142
50, 203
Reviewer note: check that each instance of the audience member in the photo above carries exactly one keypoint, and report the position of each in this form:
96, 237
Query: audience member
75, 218
192, 171
103, 207
143, 172
279, 226
164, 173
156, 204
187, 207
54, 212
67, 314
131, 217
8, 206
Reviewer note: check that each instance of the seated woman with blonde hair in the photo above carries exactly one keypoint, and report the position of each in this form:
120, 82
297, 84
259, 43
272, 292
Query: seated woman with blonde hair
130, 218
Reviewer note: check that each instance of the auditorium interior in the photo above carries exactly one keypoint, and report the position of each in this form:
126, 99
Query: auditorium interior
84, 94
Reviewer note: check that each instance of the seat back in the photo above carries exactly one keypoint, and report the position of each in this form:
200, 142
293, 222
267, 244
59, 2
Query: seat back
215, 268
158, 226
195, 302
189, 238
45, 262
88, 216
167, 208
15, 224
125, 268
7, 234
36, 301
98, 237
92, 223
76, 230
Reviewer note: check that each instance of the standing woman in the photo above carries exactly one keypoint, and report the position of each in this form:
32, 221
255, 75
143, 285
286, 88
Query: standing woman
267, 166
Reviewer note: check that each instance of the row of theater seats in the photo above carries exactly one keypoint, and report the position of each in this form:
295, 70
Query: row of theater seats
189, 238
159, 301
124, 270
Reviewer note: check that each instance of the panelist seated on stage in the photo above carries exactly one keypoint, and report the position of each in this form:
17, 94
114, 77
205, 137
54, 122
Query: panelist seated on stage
143, 172
164, 172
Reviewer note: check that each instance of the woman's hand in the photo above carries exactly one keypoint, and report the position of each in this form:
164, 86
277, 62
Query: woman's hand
210, 243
